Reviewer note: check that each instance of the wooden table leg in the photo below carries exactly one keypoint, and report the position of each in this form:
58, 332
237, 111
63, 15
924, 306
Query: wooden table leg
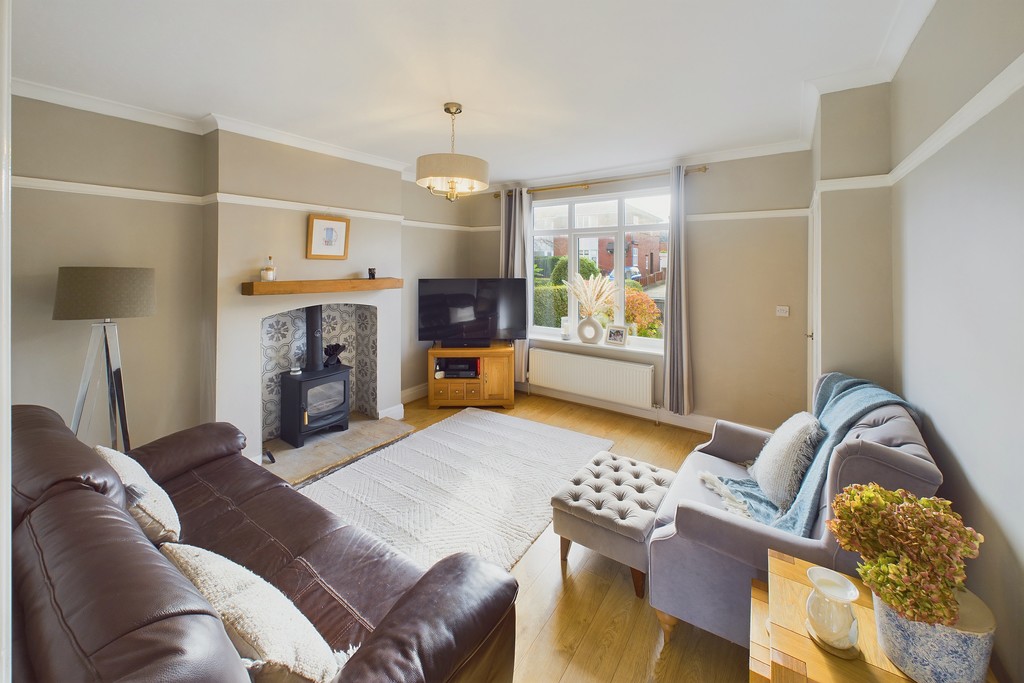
565, 548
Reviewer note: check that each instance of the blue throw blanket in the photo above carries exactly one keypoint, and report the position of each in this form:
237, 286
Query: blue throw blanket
840, 403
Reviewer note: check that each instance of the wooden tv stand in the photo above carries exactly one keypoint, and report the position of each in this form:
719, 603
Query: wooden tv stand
492, 383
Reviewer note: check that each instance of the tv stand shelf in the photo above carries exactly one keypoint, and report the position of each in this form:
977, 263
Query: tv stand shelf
493, 386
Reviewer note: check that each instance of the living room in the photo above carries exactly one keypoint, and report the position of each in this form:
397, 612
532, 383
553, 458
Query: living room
908, 165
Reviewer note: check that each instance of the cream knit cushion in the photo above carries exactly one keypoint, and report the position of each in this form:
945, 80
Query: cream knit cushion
153, 510
779, 468
263, 624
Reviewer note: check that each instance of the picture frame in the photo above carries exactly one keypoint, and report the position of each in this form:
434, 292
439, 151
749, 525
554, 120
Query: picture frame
616, 335
327, 237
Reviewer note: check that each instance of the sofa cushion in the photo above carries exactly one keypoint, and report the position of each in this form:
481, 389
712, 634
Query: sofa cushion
99, 601
688, 486
261, 622
781, 465
149, 505
68, 463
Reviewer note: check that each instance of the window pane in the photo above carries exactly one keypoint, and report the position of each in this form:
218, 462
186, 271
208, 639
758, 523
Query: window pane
550, 268
645, 265
597, 214
596, 256
551, 217
647, 210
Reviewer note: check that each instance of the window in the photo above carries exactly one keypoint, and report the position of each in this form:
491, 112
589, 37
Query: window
624, 236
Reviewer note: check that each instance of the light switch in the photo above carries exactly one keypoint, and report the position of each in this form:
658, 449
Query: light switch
782, 311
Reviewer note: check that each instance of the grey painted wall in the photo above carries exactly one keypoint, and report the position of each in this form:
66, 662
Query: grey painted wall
958, 236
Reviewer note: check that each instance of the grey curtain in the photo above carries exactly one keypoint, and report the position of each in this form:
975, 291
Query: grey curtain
515, 215
678, 371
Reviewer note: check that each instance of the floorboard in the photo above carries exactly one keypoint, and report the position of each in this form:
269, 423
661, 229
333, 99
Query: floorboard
580, 621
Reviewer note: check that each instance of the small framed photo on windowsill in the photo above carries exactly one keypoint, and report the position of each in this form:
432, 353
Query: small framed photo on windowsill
615, 335
327, 237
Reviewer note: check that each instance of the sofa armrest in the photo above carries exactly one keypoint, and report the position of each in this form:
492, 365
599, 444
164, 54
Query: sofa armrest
859, 461
740, 538
177, 453
734, 442
436, 628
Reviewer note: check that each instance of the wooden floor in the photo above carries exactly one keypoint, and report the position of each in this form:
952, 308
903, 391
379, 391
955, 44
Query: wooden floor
580, 621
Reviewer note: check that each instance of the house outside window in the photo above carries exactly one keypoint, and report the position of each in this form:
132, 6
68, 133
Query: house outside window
624, 236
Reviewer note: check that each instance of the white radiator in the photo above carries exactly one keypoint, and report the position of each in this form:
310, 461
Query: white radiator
615, 381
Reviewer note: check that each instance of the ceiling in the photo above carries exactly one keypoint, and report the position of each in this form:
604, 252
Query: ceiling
551, 89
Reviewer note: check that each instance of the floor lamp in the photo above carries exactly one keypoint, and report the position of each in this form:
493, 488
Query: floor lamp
90, 293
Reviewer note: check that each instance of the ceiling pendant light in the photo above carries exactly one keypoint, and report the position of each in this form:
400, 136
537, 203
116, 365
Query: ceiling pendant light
451, 175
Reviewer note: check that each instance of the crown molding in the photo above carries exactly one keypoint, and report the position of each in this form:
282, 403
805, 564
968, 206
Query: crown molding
998, 90
445, 226
253, 130
771, 149
747, 215
267, 203
98, 105
906, 24
867, 182
48, 185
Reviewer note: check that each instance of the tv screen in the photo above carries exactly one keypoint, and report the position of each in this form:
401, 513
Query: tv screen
472, 309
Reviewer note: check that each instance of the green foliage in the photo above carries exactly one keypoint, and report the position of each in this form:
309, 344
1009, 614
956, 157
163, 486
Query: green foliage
642, 312
560, 271
550, 303
633, 284
912, 549
542, 265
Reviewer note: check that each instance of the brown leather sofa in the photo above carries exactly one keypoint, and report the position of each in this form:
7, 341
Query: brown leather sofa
95, 600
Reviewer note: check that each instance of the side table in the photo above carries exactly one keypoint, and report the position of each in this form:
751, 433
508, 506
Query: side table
781, 650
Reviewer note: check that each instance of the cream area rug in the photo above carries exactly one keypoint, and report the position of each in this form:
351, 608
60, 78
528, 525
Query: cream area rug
328, 450
479, 482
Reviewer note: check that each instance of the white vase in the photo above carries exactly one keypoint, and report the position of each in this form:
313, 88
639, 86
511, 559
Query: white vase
830, 614
933, 653
589, 330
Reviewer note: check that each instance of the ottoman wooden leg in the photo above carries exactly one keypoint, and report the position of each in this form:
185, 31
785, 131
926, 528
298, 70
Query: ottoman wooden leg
667, 621
565, 548
638, 581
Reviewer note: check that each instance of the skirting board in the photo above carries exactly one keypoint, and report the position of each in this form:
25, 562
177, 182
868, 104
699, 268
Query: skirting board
394, 412
698, 423
412, 393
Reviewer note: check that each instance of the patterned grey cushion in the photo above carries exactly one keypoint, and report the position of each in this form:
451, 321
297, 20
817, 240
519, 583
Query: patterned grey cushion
617, 493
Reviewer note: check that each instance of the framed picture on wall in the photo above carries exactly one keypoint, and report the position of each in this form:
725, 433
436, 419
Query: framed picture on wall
615, 335
327, 237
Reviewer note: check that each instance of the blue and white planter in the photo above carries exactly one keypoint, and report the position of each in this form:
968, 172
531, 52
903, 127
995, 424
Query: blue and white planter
933, 653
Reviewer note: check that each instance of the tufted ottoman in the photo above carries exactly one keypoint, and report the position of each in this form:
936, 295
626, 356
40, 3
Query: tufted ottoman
609, 506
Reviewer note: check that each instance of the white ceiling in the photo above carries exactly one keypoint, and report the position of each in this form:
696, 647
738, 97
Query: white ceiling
551, 89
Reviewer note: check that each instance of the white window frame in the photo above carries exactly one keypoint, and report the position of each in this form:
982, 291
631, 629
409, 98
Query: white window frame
574, 234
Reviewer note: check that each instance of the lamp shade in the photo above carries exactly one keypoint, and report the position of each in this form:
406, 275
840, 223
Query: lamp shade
91, 293
437, 170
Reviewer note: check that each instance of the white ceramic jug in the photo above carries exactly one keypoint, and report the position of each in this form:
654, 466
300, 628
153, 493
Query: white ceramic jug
830, 614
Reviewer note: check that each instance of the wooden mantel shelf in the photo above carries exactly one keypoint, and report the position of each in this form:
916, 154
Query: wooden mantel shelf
320, 286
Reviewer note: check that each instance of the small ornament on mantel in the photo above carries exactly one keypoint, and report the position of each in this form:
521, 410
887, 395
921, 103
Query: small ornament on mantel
268, 273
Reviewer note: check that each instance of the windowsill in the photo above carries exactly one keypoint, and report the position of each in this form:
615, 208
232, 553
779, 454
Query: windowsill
633, 346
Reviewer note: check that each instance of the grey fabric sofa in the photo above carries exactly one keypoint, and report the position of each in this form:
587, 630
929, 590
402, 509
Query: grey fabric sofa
703, 558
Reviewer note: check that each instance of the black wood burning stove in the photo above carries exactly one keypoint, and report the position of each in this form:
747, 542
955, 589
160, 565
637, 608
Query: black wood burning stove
317, 397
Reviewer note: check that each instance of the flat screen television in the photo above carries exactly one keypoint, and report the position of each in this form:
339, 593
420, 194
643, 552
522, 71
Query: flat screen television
471, 311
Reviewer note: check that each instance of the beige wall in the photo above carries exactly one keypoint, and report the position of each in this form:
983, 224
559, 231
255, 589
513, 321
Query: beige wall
856, 284
249, 166
160, 354
53, 229
778, 181
748, 365
960, 48
59, 143
959, 325
855, 136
